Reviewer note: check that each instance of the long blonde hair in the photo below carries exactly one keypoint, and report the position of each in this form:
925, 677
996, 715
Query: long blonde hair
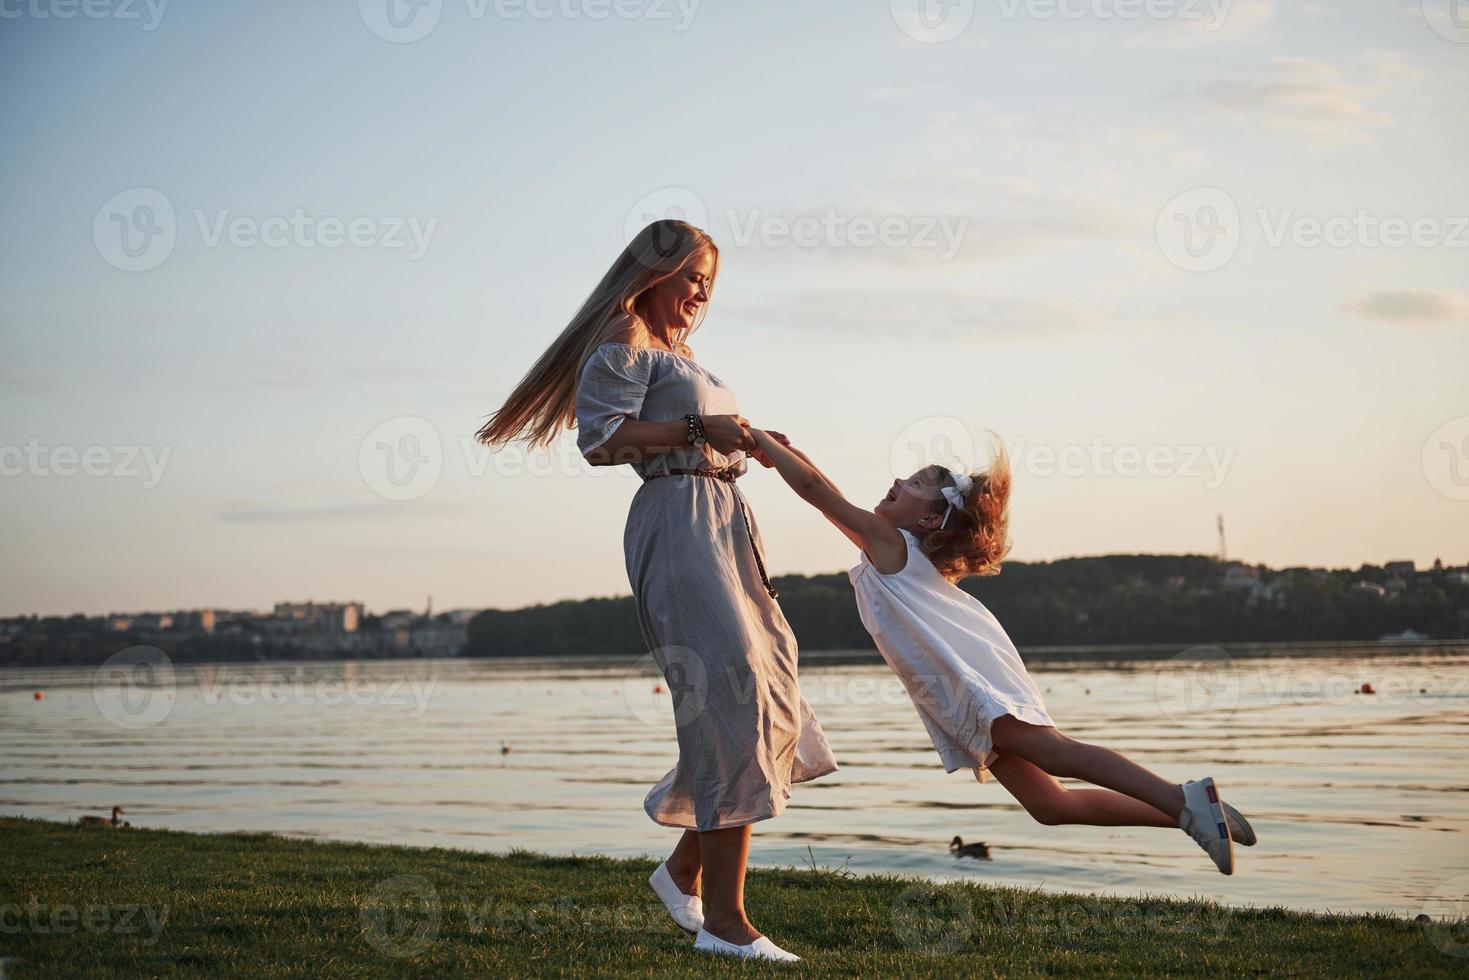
544, 401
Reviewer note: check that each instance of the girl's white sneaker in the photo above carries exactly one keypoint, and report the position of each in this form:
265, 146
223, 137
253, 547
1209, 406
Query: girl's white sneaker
1203, 819
760, 949
687, 910
1240, 830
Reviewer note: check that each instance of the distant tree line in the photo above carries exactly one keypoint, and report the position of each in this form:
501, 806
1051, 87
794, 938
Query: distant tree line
1113, 599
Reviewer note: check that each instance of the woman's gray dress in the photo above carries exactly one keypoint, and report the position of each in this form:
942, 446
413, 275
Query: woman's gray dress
745, 731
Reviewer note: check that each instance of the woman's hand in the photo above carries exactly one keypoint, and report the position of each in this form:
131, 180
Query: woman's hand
727, 433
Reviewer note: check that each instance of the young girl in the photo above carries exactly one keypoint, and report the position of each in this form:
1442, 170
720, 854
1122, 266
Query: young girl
978, 703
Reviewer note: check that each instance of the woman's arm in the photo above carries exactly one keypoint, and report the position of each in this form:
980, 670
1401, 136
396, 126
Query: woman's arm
633, 439
862, 527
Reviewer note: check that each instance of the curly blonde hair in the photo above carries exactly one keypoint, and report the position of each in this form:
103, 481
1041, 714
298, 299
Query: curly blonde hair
975, 539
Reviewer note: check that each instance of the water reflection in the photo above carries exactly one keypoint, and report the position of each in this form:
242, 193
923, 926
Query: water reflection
1360, 801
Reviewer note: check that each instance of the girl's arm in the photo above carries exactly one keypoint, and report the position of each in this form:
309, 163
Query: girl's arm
781, 438
865, 529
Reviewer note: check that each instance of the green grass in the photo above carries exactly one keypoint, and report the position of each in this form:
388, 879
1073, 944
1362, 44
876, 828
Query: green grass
103, 902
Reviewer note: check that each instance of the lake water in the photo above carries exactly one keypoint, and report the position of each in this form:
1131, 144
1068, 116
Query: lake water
1361, 801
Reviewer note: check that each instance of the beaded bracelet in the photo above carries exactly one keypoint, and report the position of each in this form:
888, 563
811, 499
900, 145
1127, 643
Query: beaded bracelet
696, 429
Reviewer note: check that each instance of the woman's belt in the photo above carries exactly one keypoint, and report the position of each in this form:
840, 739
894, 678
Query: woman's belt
728, 475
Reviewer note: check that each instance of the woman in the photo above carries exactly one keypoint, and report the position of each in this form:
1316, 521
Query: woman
622, 373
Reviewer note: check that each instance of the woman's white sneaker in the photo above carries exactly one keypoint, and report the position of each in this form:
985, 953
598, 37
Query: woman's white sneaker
760, 949
687, 910
1203, 819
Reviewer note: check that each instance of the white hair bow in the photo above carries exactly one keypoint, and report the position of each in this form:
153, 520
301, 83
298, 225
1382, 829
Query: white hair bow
955, 494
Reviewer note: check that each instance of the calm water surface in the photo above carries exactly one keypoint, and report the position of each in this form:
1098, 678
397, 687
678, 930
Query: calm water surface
1361, 802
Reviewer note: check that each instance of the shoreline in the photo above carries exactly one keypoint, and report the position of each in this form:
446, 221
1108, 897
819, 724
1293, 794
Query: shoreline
1097, 653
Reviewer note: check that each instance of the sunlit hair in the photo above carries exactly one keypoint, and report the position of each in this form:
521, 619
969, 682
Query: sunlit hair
975, 539
544, 401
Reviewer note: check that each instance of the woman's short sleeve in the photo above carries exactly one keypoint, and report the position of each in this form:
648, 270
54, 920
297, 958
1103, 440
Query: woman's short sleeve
612, 387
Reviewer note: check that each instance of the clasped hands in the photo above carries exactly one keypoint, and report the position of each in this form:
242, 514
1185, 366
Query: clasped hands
727, 433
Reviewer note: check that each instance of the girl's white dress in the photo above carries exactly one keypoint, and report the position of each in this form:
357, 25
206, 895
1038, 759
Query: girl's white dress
960, 668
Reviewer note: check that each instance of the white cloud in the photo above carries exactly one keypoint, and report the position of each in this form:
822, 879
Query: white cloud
1303, 97
1231, 21
928, 313
1403, 305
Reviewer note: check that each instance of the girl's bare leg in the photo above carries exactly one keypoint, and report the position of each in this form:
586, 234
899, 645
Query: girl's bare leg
1056, 754
724, 853
685, 865
1049, 802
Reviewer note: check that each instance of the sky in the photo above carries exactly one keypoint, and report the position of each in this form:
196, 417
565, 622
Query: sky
267, 267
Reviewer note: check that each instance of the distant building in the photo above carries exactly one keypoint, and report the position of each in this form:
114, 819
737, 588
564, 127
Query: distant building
1368, 587
1237, 576
1402, 569
332, 617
